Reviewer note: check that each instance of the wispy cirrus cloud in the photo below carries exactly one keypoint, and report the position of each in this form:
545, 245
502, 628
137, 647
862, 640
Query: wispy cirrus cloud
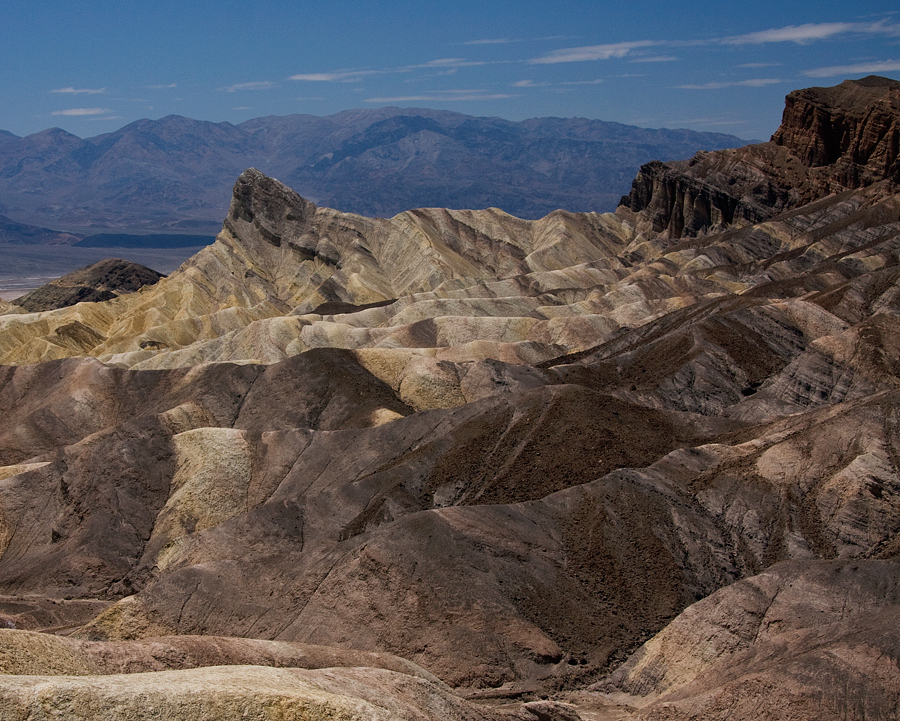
752, 83
508, 41
441, 66
259, 85
596, 81
810, 32
491, 41
336, 76
593, 52
77, 112
884, 66
79, 91
528, 84
655, 59
708, 121
443, 63
162, 87
800, 34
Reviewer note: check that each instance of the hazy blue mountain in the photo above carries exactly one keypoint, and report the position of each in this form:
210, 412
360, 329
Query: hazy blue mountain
176, 172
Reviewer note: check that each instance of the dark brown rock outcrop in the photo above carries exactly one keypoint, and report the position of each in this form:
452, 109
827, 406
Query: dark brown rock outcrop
100, 281
830, 139
679, 204
853, 127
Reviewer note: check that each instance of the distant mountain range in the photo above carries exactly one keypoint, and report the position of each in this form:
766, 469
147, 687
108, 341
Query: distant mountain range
176, 173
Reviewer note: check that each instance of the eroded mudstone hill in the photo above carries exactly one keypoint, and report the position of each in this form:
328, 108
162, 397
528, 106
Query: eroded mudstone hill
512, 453
723, 655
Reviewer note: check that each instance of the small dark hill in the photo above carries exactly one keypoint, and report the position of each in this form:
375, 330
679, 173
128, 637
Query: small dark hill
101, 281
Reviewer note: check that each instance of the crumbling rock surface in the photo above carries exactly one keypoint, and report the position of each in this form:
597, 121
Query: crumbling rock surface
830, 139
802, 640
238, 692
854, 127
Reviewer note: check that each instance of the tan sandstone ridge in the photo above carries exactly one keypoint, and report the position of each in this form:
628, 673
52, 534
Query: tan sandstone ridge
510, 452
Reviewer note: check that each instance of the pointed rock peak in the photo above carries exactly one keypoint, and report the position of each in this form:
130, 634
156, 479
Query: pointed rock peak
264, 209
256, 197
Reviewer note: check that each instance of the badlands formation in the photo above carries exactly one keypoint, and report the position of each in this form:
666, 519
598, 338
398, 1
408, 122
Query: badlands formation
458, 465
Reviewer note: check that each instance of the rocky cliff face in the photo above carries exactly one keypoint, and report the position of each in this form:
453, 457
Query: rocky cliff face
678, 204
830, 139
719, 658
853, 127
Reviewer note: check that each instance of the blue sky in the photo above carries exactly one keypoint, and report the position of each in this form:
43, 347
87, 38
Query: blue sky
90, 67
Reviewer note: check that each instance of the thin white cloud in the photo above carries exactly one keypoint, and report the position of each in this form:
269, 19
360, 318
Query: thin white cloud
528, 84
655, 59
753, 83
810, 32
440, 66
260, 85
81, 111
884, 66
593, 52
337, 76
800, 34
162, 87
79, 91
583, 82
507, 41
756, 66
437, 74
446, 63
491, 41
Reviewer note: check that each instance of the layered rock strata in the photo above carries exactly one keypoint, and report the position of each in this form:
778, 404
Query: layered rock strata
854, 128
830, 139
510, 452
823, 633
